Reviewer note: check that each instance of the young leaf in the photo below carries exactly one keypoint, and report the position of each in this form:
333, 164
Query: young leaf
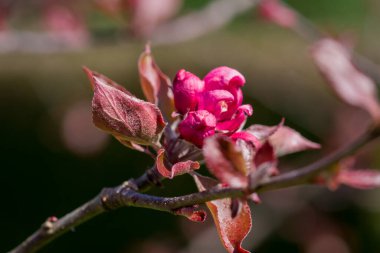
128, 118
155, 84
356, 178
284, 140
192, 213
350, 85
360, 179
262, 132
225, 161
232, 231
177, 169
287, 141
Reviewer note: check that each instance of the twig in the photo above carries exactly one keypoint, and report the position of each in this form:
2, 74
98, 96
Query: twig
127, 195
193, 25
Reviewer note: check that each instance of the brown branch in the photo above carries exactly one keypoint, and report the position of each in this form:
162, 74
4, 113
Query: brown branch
127, 195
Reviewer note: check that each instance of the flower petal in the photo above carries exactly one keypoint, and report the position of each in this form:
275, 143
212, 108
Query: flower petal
187, 88
222, 78
197, 126
247, 137
237, 121
215, 101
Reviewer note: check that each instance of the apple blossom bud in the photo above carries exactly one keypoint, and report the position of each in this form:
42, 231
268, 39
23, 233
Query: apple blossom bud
237, 121
197, 126
223, 77
230, 80
187, 88
216, 101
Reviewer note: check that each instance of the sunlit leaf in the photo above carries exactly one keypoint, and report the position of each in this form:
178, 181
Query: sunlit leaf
225, 161
155, 84
232, 231
177, 169
262, 132
287, 141
350, 85
128, 118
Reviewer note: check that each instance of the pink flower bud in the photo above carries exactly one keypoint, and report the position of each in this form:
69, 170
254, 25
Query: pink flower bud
196, 126
216, 101
187, 88
237, 121
223, 78
230, 80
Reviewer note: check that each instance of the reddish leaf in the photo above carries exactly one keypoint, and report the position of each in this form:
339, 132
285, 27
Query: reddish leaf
262, 133
225, 161
128, 118
352, 86
356, 178
265, 162
192, 214
92, 75
361, 179
155, 84
232, 231
265, 154
177, 169
286, 141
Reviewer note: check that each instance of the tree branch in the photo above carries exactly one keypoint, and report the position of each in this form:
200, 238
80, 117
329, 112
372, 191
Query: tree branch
127, 195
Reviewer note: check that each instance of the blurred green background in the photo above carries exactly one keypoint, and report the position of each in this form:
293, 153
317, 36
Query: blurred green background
53, 159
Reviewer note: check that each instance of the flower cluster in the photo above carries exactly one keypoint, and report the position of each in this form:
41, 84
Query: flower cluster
211, 105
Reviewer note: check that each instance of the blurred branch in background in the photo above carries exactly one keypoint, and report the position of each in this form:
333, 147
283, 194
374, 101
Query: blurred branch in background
216, 14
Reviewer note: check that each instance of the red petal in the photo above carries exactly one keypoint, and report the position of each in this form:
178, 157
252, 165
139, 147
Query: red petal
119, 113
177, 169
232, 231
237, 121
247, 137
352, 86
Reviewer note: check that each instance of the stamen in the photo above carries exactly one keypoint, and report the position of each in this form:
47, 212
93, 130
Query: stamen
223, 106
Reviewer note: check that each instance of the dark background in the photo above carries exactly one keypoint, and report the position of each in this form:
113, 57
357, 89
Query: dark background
53, 160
